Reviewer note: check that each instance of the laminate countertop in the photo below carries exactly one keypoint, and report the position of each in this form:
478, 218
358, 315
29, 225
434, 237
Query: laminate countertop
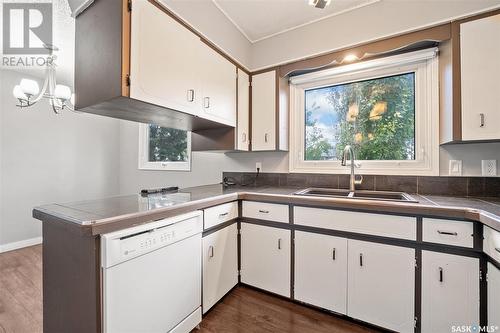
110, 214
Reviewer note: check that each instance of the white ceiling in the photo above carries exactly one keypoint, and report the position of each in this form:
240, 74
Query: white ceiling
261, 19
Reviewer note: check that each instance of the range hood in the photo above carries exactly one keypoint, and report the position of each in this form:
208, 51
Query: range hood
102, 65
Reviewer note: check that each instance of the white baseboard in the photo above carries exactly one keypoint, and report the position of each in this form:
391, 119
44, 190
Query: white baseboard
18, 245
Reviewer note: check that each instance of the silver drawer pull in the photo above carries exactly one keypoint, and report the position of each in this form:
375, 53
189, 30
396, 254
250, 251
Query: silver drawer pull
263, 211
361, 259
440, 274
265, 137
450, 233
210, 251
334, 254
279, 243
481, 120
206, 102
190, 95
497, 249
223, 214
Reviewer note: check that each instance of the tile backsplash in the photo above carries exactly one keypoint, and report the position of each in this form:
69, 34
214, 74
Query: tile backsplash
452, 186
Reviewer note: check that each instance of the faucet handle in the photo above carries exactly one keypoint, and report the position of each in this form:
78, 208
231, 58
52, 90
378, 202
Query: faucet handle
357, 164
358, 181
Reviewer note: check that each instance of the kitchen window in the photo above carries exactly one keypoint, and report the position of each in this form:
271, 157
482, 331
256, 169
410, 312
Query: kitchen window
162, 148
386, 109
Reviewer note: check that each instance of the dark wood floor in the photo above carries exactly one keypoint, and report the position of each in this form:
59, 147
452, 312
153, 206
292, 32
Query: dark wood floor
21, 290
243, 310
247, 310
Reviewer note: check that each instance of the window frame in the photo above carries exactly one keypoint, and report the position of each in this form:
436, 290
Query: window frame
424, 64
145, 164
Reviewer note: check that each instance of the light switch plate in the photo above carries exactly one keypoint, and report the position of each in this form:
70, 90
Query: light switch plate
489, 168
455, 168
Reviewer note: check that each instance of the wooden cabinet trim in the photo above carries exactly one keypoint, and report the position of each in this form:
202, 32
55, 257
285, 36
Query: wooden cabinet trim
126, 41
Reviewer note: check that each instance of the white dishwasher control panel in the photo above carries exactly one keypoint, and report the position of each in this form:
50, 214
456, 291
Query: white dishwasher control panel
123, 245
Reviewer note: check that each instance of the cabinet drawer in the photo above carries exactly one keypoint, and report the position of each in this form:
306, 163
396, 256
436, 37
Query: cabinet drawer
265, 211
220, 214
458, 233
364, 223
491, 245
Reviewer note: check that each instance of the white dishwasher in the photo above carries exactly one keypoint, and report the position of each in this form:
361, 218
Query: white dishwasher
152, 276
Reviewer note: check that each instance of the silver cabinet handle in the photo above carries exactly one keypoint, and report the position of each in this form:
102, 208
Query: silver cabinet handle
223, 214
265, 137
481, 120
190, 95
450, 233
361, 259
210, 251
206, 102
279, 243
244, 137
497, 249
333, 254
263, 211
440, 274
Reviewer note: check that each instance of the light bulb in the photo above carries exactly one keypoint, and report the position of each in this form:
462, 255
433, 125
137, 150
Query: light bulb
30, 87
62, 92
19, 94
350, 57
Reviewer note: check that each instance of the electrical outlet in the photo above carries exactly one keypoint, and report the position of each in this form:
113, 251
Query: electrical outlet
489, 168
455, 168
258, 166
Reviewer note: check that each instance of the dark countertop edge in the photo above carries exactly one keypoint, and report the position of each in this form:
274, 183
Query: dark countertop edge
101, 226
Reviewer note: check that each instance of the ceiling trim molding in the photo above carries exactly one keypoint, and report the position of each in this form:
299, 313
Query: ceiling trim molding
253, 41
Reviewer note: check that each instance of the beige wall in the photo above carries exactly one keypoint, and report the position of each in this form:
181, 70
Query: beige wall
382, 19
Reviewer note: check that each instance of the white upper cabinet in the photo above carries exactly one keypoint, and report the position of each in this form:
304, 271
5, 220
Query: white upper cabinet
172, 67
264, 111
243, 141
480, 70
320, 271
218, 87
381, 285
164, 57
450, 291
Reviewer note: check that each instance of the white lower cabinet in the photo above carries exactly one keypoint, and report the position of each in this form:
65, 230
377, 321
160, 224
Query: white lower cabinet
265, 258
220, 264
493, 295
381, 285
450, 291
320, 271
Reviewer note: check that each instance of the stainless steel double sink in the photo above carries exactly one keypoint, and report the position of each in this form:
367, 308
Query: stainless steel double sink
366, 195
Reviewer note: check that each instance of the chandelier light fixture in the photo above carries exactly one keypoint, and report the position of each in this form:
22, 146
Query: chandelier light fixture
60, 97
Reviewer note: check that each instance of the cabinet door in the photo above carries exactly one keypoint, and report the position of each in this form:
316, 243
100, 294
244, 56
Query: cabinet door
243, 110
381, 285
220, 265
493, 295
265, 258
219, 87
480, 70
164, 60
264, 111
321, 270
450, 291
